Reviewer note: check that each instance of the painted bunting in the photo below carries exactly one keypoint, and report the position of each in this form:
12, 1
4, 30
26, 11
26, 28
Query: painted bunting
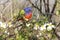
26, 13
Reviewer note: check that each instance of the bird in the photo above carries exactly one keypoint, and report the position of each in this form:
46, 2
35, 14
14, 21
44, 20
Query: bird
28, 13
25, 14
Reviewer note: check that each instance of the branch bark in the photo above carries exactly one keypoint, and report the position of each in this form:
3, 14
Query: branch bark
35, 6
54, 6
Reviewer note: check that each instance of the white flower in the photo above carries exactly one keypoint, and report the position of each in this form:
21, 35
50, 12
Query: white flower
43, 27
10, 25
0, 24
45, 24
36, 27
49, 28
37, 35
5, 31
8, 33
3, 25
27, 24
53, 26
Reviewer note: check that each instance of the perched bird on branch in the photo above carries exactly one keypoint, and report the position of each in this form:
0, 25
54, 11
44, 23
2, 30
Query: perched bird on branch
25, 14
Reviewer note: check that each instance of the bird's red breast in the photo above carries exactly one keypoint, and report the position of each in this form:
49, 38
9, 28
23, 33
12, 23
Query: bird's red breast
28, 16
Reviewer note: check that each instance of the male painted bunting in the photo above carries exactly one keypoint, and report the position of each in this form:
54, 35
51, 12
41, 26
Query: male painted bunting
26, 13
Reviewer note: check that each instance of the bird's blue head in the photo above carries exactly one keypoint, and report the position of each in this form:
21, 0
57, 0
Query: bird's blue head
27, 9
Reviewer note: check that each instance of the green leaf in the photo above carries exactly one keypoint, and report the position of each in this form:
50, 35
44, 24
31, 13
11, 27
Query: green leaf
1, 38
42, 38
59, 12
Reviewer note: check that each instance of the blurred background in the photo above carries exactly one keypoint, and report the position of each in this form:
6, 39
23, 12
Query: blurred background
11, 8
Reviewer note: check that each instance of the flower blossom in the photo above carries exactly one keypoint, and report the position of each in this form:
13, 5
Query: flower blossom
47, 26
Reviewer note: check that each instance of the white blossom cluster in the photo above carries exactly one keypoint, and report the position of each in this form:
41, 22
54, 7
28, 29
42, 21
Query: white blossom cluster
28, 24
46, 26
6, 32
36, 27
5, 25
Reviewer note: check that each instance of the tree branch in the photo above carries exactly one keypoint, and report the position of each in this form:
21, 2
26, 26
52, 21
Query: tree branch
54, 6
35, 6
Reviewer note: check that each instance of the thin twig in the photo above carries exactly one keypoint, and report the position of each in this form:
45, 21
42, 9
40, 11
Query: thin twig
34, 6
54, 6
